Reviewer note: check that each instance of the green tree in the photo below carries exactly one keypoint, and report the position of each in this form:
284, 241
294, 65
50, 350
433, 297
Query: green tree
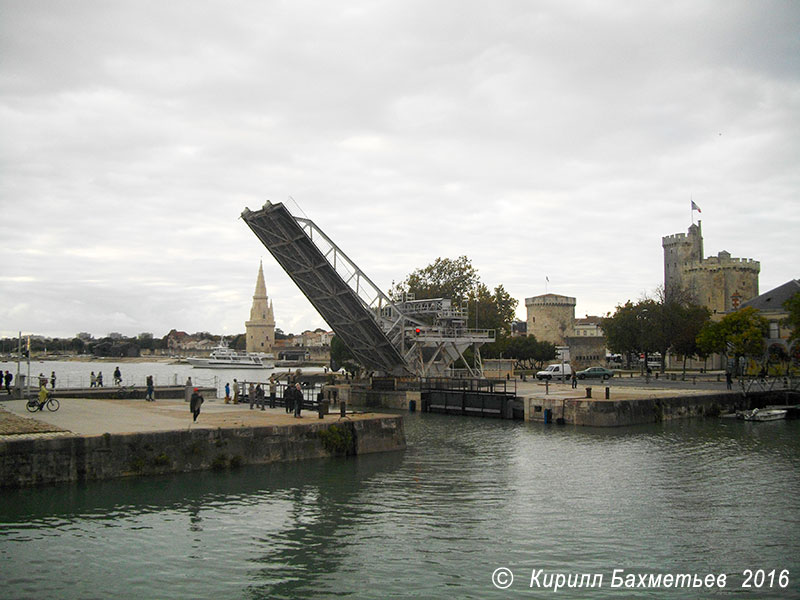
692, 320
341, 357
529, 352
792, 321
739, 334
444, 278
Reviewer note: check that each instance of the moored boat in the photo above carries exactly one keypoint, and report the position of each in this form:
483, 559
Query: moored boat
223, 356
764, 414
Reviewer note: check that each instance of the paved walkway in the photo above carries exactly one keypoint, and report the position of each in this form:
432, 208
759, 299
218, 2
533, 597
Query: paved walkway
96, 417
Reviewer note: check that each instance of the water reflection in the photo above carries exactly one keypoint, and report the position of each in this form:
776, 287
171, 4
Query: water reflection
467, 496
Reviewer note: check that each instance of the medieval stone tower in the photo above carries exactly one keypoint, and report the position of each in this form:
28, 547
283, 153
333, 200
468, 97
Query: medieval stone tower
551, 317
260, 329
720, 283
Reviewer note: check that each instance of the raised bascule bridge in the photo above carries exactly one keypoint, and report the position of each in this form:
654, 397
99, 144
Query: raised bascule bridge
421, 338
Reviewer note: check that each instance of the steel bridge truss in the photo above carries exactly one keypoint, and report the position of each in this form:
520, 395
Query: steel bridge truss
383, 335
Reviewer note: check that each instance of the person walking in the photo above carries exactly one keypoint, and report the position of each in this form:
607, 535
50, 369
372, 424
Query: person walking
251, 395
298, 401
8, 379
99, 379
574, 380
117, 376
187, 390
728, 380
194, 404
92, 380
235, 391
149, 395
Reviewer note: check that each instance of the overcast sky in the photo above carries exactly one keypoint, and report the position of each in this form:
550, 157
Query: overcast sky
541, 139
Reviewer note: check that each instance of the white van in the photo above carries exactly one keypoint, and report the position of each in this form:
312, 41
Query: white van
561, 371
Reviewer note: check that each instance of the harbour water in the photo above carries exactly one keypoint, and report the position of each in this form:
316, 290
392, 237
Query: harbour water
73, 374
469, 496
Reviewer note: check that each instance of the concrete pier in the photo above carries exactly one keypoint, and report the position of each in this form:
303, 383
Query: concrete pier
102, 439
622, 406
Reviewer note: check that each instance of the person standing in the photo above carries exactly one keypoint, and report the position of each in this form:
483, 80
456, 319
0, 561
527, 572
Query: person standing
728, 380
187, 390
574, 380
298, 400
235, 391
288, 397
251, 395
194, 404
53, 380
260, 396
227, 393
149, 395
273, 388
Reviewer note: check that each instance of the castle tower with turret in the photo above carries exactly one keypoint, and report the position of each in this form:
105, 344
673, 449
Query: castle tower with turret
720, 283
551, 317
260, 329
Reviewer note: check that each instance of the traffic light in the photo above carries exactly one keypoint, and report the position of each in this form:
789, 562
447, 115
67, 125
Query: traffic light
418, 331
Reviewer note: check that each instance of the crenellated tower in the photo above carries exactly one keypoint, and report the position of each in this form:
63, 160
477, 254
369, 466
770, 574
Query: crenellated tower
260, 329
720, 283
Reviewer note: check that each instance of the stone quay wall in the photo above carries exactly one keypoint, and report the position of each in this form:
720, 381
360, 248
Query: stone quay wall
619, 413
66, 459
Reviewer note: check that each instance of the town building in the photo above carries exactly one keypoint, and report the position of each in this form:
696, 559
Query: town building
260, 329
720, 283
770, 306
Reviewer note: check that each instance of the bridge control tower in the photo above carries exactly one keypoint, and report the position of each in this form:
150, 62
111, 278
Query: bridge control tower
409, 337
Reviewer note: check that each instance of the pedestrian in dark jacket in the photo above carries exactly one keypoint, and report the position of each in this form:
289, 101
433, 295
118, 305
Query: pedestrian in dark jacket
298, 400
195, 402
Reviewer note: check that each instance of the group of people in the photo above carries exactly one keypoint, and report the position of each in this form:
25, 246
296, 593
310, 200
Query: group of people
43, 380
256, 395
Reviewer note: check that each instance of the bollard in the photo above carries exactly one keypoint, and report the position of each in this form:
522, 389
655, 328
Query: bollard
608, 392
588, 392
546, 386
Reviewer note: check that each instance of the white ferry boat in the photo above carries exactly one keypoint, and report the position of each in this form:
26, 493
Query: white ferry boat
226, 358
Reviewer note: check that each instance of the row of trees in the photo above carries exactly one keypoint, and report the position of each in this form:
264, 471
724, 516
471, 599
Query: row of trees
656, 325
673, 323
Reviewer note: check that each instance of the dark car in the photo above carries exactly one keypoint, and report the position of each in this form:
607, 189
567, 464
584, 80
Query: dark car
595, 373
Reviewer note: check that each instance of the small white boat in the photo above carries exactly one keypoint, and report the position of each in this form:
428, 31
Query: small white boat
223, 357
764, 414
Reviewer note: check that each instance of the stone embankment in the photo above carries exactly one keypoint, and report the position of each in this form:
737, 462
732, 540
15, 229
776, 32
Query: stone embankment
93, 439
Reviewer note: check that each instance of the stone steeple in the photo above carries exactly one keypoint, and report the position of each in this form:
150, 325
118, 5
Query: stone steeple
260, 329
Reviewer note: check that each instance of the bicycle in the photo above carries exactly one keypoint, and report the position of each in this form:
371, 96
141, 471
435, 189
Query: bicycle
51, 403
125, 392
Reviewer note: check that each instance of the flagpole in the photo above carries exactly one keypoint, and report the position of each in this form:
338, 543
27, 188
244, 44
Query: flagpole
691, 207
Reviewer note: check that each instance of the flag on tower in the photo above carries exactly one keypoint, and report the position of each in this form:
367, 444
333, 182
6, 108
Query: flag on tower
695, 207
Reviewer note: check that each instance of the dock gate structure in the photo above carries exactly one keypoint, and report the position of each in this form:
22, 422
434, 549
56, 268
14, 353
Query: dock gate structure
421, 338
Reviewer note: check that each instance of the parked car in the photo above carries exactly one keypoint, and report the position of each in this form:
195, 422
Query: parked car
595, 373
562, 371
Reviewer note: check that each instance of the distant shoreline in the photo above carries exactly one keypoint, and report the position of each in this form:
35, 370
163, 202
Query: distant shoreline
91, 358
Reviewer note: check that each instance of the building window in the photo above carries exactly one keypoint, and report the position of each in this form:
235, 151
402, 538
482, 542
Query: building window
774, 331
